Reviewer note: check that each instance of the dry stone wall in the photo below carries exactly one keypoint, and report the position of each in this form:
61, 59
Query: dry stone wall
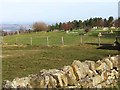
88, 74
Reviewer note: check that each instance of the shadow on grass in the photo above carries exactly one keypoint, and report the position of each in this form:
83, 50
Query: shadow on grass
106, 46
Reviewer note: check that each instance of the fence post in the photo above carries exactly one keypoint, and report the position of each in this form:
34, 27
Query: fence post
98, 40
62, 40
2, 41
99, 35
31, 41
47, 41
18, 32
16, 41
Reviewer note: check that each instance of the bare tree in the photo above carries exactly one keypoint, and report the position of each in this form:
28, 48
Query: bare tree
39, 26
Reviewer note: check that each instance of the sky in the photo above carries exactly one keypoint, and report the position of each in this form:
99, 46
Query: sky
52, 11
119, 9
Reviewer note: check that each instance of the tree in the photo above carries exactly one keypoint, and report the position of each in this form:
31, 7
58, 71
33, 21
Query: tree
70, 26
53, 27
65, 26
90, 22
80, 24
49, 28
60, 26
56, 26
119, 22
86, 23
105, 23
76, 24
110, 21
95, 22
40, 26
100, 22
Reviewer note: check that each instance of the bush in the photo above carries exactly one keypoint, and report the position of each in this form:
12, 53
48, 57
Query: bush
87, 29
40, 26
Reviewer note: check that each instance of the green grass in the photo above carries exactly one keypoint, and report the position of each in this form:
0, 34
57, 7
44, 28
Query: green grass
18, 63
22, 61
55, 38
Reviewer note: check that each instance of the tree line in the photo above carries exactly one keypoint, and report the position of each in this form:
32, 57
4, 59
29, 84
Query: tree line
97, 22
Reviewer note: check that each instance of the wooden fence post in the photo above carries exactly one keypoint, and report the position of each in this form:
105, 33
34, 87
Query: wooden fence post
47, 41
16, 40
2, 41
62, 40
31, 41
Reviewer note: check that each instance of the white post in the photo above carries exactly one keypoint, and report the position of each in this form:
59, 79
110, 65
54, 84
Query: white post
98, 40
62, 40
99, 35
31, 41
47, 41
18, 32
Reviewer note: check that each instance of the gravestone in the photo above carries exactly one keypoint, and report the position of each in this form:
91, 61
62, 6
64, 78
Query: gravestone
117, 43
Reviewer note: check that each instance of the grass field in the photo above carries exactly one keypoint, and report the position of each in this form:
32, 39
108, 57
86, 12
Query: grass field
19, 61
55, 38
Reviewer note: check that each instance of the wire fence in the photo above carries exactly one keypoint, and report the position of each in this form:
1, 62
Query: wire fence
56, 41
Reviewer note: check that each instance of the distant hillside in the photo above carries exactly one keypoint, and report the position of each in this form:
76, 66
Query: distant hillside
14, 27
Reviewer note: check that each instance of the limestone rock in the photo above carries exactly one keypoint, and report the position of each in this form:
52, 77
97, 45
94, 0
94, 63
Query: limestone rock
88, 74
53, 82
80, 69
97, 80
114, 60
108, 63
91, 65
6, 84
71, 78
17, 83
44, 80
102, 67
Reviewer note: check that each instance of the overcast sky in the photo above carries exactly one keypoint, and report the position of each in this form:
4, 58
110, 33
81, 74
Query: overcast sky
51, 11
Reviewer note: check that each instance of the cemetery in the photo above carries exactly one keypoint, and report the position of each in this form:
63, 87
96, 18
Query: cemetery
60, 45
57, 60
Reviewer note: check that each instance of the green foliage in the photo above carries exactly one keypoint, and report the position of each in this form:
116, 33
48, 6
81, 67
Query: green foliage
92, 22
